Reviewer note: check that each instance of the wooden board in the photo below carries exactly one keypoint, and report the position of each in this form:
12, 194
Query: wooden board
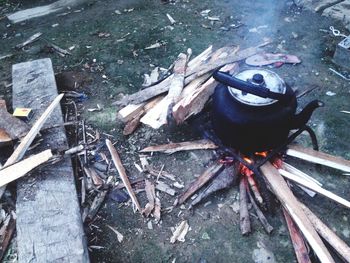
49, 224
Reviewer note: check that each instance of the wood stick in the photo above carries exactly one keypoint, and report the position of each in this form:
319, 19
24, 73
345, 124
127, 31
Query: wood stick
319, 157
122, 173
315, 187
289, 201
298, 242
293, 170
12, 172
268, 228
210, 173
339, 245
30, 40
181, 146
243, 208
28, 139
255, 189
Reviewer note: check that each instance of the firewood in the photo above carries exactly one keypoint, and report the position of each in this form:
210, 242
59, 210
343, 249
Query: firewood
298, 242
268, 228
160, 174
224, 180
161, 87
7, 231
195, 102
96, 179
180, 146
130, 111
151, 195
30, 40
95, 206
318, 157
180, 232
157, 116
291, 204
209, 173
314, 187
12, 172
254, 188
339, 245
163, 187
132, 125
14, 127
157, 209
122, 173
243, 208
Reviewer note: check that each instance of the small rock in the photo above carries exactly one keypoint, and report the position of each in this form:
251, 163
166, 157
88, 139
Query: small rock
205, 236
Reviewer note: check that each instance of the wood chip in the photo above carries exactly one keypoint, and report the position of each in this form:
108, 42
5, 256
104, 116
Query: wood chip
120, 237
180, 232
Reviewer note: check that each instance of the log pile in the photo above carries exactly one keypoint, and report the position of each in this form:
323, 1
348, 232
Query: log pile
184, 92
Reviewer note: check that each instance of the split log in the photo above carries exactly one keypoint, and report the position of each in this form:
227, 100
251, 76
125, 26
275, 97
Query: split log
13, 126
224, 180
195, 102
243, 208
268, 228
314, 187
12, 172
339, 245
291, 204
298, 242
132, 125
30, 40
158, 115
42, 10
319, 157
122, 173
28, 139
210, 173
181, 146
253, 186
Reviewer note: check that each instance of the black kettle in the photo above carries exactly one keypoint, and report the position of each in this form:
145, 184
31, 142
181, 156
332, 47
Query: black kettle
255, 110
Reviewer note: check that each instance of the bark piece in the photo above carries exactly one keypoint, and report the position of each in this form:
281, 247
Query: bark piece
243, 208
291, 204
7, 230
224, 180
319, 157
181, 146
122, 173
298, 242
13, 126
209, 173
12, 172
339, 245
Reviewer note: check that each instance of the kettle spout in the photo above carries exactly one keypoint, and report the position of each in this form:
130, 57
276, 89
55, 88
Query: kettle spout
303, 117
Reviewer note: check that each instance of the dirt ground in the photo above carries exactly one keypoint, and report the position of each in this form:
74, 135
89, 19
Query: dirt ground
110, 67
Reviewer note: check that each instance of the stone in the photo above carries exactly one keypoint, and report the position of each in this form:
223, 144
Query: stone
340, 12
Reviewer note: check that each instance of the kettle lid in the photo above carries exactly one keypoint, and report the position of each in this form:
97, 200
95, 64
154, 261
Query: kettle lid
260, 78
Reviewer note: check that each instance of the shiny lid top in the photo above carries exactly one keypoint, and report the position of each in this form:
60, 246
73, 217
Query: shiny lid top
260, 78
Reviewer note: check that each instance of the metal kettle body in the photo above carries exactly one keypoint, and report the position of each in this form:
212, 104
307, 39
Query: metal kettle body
256, 117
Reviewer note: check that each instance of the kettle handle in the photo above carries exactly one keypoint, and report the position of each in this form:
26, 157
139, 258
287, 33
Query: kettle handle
255, 89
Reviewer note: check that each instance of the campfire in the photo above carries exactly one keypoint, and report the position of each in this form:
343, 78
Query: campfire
252, 119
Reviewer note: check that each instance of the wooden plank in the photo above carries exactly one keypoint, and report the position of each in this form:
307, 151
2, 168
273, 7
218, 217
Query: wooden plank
298, 242
122, 173
13, 172
314, 187
318, 157
339, 245
42, 10
49, 223
209, 173
291, 204
13, 126
181, 146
